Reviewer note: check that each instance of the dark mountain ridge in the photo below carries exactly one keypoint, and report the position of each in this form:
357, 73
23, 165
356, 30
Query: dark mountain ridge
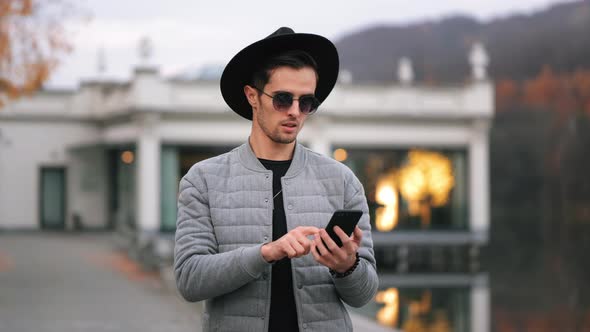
518, 46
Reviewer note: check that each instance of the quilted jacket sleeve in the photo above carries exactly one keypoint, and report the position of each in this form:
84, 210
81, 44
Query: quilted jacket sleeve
201, 272
358, 288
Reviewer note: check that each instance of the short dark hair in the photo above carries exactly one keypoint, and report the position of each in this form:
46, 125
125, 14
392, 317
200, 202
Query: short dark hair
296, 59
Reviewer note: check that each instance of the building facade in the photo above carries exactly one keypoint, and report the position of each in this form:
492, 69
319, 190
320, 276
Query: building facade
110, 155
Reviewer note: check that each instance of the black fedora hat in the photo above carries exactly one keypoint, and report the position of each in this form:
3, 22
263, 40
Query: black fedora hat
241, 67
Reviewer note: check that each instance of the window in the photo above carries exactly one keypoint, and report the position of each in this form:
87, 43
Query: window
411, 189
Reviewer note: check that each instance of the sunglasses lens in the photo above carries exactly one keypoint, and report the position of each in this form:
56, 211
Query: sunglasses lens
308, 104
282, 101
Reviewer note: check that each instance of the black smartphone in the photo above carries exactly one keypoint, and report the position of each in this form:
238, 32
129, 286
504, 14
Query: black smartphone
345, 219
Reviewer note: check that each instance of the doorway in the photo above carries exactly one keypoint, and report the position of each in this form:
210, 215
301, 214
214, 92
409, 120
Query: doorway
52, 198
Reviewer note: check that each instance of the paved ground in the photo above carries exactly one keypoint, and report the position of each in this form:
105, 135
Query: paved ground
71, 282
60, 282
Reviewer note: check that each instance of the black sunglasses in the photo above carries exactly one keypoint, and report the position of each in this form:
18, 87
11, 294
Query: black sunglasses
282, 101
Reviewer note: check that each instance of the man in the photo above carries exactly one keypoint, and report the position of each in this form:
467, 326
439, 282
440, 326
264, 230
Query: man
250, 222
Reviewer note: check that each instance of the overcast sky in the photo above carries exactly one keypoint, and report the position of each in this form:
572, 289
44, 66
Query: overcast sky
188, 34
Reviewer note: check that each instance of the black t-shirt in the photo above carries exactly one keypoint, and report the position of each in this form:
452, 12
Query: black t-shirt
283, 313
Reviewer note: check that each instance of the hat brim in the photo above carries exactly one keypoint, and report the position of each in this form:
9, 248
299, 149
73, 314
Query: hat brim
241, 67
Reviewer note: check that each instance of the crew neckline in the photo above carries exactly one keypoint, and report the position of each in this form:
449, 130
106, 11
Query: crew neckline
268, 161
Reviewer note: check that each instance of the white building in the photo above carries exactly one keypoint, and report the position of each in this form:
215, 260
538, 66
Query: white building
110, 155
78, 137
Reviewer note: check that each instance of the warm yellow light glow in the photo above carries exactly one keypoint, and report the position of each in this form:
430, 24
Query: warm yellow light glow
427, 173
441, 322
386, 195
416, 313
386, 219
340, 154
127, 157
425, 181
388, 315
414, 323
412, 183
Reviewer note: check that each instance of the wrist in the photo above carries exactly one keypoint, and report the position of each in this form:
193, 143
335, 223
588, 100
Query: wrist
346, 271
266, 252
349, 264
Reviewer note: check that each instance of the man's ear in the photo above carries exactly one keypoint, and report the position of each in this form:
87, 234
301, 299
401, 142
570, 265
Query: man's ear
252, 96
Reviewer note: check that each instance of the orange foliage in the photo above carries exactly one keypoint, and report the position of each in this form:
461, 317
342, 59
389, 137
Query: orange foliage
507, 94
581, 81
31, 40
564, 93
542, 90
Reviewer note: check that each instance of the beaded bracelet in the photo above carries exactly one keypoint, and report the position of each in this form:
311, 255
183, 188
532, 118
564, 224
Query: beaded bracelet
349, 271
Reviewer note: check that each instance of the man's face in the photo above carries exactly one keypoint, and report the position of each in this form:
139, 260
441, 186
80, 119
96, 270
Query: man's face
283, 126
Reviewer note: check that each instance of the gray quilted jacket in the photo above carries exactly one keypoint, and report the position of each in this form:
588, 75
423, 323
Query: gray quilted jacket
225, 216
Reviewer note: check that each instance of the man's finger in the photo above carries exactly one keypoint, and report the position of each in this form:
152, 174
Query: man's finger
349, 247
308, 230
289, 250
314, 251
316, 254
299, 249
343, 237
305, 243
357, 235
303, 240
328, 240
320, 246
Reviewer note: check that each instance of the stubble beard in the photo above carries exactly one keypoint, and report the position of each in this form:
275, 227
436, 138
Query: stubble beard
275, 135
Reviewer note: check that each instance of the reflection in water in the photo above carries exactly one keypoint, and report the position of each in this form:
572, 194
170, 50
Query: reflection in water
388, 315
441, 322
421, 317
424, 182
418, 323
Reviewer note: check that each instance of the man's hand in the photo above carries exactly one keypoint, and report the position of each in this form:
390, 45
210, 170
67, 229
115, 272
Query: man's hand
339, 259
293, 244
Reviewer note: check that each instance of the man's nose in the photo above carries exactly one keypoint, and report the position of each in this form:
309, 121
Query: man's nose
294, 108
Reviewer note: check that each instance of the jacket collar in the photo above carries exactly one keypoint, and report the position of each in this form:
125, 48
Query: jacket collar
250, 161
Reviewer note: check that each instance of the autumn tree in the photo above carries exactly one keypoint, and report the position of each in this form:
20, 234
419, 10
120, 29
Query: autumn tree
541, 195
562, 93
32, 39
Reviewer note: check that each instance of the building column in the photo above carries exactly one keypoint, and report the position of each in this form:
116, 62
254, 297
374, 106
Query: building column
319, 142
479, 181
480, 306
148, 174
321, 145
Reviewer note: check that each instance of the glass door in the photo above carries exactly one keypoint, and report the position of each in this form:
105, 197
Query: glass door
53, 198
